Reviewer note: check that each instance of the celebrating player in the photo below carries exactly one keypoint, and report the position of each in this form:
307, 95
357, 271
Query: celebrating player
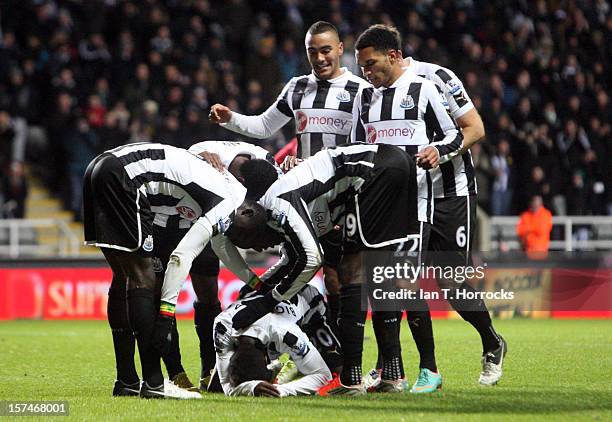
452, 233
450, 176
305, 203
120, 187
320, 104
243, 354
170, 225
406, 110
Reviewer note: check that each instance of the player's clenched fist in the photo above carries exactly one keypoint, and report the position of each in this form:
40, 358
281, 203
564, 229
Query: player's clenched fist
220, 113
428, 158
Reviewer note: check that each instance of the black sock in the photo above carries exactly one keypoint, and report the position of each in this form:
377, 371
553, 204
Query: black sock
204, 319
333, 304
386, 328
422, 333
124, 341
142, 317
172, 360
475, 312
351, 324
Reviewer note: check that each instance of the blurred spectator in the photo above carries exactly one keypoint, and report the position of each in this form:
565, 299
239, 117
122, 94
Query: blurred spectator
263, 67
501, 164
538, 71
13, 188
80, 146
534, 229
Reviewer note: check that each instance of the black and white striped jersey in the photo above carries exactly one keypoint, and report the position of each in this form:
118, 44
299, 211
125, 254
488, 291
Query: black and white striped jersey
280, 331
457, 176
304, 204
411, 114
321, 109
178, 183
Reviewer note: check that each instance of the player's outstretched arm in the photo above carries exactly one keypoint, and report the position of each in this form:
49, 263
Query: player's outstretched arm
261, 126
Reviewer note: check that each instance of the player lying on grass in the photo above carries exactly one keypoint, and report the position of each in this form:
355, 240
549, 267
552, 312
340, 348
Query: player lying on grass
305, 204
244, 355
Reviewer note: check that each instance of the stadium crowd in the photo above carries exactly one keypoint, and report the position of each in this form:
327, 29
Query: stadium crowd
79, 77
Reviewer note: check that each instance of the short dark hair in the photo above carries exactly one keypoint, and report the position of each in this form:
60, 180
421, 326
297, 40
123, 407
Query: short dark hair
249, 362
258, 176
321, 27
249, 216
381, 37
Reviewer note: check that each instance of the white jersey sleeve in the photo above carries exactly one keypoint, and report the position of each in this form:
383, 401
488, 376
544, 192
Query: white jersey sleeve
228, 150
309, 363
214, 221
266, 124
230, 256
459, 101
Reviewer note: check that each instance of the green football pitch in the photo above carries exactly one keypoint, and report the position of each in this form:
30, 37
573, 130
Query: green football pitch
554, 370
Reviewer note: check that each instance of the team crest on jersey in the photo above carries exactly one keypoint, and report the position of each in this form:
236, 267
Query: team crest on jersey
343, 96
186, 212
407, 102
302, 121
158, 267
371, 134
453, 86
147, 245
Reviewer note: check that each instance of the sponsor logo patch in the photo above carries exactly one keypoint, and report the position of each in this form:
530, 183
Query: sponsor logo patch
302, 121
453, 86
224, 224
371, 134
186, 212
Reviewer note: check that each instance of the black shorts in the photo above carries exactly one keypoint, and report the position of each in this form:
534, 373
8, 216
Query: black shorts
449, 240
384, 213
116, 214
166, 240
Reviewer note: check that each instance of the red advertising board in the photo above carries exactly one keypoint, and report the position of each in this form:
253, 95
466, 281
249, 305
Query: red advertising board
81, 293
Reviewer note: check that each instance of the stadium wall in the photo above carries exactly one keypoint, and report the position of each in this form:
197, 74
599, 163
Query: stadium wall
79, 291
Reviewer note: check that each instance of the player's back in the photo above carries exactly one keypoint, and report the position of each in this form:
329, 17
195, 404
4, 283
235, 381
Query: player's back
175, 180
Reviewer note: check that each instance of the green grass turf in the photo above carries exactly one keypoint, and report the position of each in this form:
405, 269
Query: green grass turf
554, 370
